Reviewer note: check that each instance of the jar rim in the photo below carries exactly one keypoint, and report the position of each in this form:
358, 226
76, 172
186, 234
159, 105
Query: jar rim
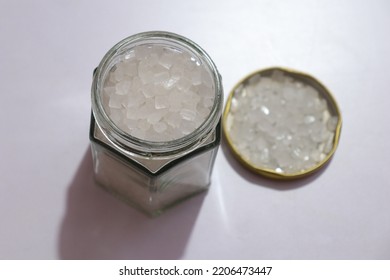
137, 145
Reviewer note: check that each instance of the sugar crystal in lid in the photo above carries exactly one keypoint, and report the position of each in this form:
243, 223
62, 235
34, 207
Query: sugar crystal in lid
282, 124
158, 93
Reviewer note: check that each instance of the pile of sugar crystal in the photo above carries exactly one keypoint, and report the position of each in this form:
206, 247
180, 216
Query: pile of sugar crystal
280, 124
158, 93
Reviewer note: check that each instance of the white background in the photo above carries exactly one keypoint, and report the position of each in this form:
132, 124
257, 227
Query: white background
49, 205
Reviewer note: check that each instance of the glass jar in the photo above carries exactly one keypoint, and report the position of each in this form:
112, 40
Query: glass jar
150, 174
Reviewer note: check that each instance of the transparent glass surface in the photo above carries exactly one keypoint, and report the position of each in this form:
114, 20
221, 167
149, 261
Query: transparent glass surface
153, 193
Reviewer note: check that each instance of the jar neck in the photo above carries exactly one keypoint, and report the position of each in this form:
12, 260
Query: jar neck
142, 147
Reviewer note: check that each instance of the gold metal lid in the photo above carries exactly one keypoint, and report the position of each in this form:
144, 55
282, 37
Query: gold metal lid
274, 125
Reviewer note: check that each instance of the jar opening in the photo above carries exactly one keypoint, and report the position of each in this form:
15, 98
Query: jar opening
156, 92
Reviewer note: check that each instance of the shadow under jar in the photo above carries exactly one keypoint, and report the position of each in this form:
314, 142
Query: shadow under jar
155, 128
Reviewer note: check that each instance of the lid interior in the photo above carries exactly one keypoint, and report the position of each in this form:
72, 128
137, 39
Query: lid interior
282, 123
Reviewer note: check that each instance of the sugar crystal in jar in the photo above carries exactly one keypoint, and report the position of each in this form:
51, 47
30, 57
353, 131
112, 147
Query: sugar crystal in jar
155, 128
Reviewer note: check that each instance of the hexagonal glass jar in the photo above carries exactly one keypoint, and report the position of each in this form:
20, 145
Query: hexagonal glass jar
153, 176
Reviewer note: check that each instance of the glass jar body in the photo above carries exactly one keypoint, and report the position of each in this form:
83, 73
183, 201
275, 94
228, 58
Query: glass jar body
124, 176
153, 176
